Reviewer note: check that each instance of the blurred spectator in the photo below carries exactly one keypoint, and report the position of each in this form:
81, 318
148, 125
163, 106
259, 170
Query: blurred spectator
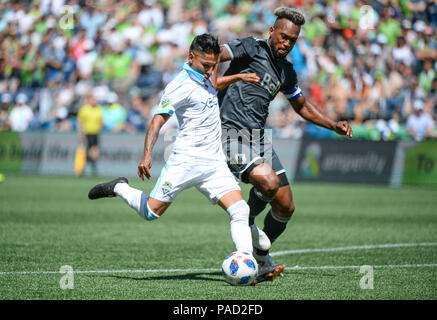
432, 97
152, 15
402, 52
418, 8
389, 27
91, 20
85, 63
432, 11
363, 74
59, 119
393, 90
287, 125
119, 68
51, 6
427, 75
137, 116
21, 115
394, 125
389, 130
114, 114
4, 111
420, 125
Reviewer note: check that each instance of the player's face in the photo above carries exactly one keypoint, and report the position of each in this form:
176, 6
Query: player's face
283, 37
203, 63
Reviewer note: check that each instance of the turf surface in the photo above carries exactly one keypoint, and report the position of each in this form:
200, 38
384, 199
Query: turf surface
48, 222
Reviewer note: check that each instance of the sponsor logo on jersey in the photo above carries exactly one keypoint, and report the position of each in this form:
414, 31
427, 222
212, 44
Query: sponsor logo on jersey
269, 84
165, 102
211, 102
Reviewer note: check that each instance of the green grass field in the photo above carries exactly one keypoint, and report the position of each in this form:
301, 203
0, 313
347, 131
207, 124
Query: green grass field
48, 222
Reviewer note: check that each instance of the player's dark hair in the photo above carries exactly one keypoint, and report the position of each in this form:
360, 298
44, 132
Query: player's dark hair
291, 14
205, 43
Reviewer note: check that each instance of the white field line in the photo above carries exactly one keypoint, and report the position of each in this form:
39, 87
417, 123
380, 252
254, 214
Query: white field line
388, 266
396, 245
211, 270
364, 247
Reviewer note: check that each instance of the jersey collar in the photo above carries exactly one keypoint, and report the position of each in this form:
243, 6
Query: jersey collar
198, 76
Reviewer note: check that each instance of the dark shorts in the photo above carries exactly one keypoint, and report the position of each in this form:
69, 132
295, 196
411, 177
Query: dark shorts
92, 140
242, 158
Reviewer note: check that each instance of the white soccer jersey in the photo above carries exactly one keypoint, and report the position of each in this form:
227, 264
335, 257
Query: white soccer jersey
196, 107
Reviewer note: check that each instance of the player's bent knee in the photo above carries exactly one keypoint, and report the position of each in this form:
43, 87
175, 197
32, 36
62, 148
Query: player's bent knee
269, 185
265, 180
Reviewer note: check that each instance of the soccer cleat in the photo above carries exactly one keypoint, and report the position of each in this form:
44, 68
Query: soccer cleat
259, 238
267, 270
105, 190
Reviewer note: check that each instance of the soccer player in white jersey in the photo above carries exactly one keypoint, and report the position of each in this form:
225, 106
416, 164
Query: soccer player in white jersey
197, 159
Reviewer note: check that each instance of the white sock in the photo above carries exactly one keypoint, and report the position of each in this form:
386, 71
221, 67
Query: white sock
130, 195
136, 199
240, 230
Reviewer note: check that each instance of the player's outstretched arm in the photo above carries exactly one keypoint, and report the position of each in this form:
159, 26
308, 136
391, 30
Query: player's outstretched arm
310, 112
150, 140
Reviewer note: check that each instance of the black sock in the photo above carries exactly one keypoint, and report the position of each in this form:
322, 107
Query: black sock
274, 225
260, 252
257, 203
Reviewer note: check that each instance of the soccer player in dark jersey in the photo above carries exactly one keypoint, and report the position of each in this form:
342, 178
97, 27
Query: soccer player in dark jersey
244, 109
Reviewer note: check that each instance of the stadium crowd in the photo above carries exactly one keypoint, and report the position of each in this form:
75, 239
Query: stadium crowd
371, 62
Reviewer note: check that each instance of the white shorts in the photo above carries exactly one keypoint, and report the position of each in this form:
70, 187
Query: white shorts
212, 178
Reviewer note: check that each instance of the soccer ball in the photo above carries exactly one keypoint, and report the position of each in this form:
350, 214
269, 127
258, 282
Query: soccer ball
240, 268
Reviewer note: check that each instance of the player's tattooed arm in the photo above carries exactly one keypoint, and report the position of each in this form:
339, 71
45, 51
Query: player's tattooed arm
150, 140
221, 83
310, 112
225, 81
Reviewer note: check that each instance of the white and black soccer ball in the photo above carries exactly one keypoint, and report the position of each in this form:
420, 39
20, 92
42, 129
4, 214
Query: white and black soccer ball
240, 268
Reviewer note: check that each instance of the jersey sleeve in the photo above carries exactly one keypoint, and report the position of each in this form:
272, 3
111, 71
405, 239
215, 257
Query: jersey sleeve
293, 93
173, 97
291, 88
242, 48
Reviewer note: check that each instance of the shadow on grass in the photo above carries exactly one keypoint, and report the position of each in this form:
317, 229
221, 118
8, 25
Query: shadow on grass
309, 274
188, 276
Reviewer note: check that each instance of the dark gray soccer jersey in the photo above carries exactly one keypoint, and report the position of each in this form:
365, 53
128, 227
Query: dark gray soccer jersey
246, 105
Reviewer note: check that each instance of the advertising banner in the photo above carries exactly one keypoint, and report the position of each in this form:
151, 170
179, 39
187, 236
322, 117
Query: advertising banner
345, 161
119, 155
20, 152
421, 164
393, 163
11, 152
